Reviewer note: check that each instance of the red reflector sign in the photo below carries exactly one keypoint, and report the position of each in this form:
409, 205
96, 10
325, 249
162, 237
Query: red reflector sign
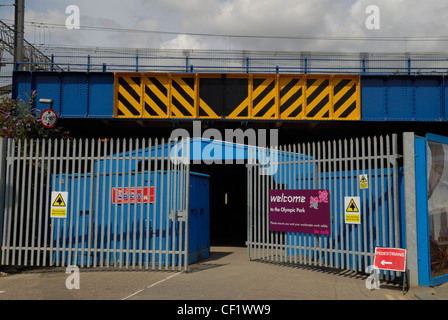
390, 259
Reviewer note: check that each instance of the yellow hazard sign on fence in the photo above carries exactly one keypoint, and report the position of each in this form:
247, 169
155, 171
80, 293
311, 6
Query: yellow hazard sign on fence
363, 182
59, 200
352, 210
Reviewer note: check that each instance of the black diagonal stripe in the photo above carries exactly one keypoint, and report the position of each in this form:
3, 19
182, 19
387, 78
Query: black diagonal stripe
137, 80
310, 82
349, 110
289, 87
156, 100
266, 108
128, 105
244, 112
126, 86
318, 91
296, 96
319, 107
202, 113
265, 92
151, 111
341, 85
159, 86
182, 92
180, 107
296, 112
344, 98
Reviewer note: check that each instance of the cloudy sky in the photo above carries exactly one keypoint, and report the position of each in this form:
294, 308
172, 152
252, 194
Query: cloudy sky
280, 25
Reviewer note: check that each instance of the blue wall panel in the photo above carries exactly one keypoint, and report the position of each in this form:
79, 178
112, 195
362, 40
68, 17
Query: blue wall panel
400, 99
404, 98
428, 103
74, 94
21, 88
373, 98
101, 95
48, 86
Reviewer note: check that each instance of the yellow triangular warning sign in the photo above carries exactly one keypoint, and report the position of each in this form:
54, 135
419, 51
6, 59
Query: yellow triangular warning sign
352, 207
363, 179
59, 202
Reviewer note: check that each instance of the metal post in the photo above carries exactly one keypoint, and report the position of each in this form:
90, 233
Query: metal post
410, 207
3, 143
19, 31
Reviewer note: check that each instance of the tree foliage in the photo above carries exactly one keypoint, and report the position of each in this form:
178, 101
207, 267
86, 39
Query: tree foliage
19, 119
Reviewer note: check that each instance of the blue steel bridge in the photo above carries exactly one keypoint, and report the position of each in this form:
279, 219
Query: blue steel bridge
101, 89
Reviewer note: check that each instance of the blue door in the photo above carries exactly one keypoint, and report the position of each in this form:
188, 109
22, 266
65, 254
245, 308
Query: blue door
431, 163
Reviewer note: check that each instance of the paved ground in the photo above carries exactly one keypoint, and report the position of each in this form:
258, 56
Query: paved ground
226, 275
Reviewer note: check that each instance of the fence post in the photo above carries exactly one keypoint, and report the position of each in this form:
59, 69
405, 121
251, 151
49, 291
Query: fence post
410, 208
3, 143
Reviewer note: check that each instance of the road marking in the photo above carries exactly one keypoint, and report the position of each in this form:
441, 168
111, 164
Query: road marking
154, 284
400, 297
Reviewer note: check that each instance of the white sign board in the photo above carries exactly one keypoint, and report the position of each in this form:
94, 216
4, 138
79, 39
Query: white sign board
352, 208
59, 204
363, 181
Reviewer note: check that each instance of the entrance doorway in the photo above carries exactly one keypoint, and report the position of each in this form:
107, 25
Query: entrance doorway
228, 203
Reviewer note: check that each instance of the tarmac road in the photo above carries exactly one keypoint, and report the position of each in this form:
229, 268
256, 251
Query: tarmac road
226, 275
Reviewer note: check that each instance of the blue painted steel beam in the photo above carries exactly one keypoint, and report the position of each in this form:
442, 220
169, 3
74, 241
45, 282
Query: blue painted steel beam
383, 97
404, 98
74, 94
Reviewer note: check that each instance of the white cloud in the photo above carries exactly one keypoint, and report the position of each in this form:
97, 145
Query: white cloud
184, 42
235, 18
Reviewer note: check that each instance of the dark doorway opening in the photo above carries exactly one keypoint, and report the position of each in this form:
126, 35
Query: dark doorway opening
228, 203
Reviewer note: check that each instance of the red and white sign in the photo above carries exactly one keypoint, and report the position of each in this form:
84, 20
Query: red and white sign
390, 259
49, 118
132, 195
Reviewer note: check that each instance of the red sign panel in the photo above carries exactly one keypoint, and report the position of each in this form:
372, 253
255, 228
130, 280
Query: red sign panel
132, 195
390, 259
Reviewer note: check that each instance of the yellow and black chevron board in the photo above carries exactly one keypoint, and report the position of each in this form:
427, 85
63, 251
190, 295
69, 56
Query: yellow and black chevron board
346, 98
128, 96
237, 96
163, 95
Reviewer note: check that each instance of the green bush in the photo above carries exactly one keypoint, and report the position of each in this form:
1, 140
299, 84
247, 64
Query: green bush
20, 120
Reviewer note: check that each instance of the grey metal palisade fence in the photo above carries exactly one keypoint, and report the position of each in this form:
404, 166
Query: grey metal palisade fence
98, 230
335, 166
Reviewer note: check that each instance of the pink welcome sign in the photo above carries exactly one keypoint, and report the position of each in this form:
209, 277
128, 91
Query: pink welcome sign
301, 211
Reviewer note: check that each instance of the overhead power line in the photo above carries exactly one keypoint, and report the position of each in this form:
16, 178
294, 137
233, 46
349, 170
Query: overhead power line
222, 35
